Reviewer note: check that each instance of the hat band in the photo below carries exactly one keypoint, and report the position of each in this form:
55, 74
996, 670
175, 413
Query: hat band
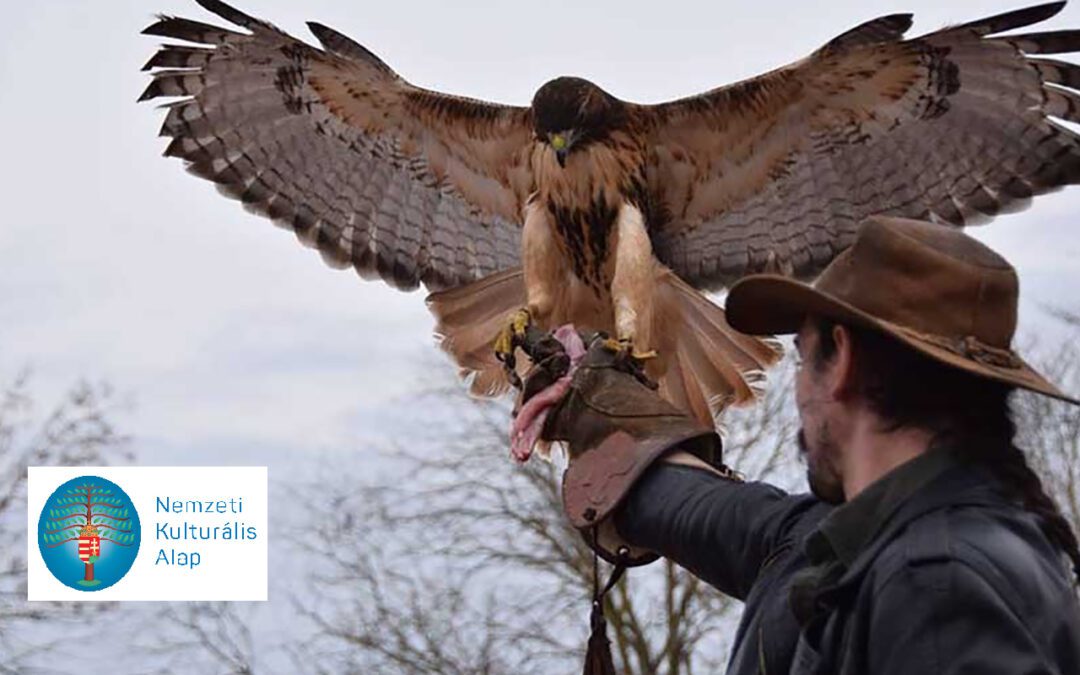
971, 348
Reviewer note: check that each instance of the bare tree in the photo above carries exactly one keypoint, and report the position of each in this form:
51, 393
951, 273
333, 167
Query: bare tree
201, 637
1049, 430
442, 555
1067, 316
459, 561
76, 430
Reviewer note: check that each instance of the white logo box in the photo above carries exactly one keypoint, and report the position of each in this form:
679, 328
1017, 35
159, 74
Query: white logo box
216, 568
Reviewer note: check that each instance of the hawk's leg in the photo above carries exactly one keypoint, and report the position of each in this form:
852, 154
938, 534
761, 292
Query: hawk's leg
633, 284
540, 268
541, 263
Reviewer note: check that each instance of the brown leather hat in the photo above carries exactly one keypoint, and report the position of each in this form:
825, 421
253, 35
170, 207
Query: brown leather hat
931, 287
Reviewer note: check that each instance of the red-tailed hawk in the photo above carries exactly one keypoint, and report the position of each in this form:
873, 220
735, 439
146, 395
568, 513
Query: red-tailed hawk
588, 209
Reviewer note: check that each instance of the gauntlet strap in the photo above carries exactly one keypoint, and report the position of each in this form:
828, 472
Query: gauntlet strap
598, 659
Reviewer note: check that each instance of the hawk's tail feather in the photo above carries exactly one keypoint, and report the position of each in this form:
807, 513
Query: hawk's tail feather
707, 365
704, 364
469, 318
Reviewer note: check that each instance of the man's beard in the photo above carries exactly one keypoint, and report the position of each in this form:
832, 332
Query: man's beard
825, 481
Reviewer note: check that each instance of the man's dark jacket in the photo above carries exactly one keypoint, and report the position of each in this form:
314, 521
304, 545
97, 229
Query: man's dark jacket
932, 569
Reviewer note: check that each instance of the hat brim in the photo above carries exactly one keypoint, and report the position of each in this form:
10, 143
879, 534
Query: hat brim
767, 304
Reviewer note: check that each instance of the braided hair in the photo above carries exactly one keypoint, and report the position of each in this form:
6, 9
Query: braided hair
908, 389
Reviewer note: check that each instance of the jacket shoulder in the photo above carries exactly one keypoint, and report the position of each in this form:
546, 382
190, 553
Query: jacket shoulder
1002, 545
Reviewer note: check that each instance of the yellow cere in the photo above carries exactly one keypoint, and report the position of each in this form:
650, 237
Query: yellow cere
558, 141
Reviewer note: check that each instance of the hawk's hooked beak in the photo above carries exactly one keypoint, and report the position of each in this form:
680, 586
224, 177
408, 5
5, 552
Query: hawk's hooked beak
560, 155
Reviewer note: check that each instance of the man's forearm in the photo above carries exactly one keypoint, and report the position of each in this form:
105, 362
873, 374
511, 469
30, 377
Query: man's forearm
718, 528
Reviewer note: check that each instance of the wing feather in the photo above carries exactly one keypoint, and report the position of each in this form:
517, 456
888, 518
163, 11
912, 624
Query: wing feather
775, 173
403, 184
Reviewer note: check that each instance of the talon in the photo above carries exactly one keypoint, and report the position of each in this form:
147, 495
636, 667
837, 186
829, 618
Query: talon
625, 348
511, 334
521, 320
617, 346
504, 344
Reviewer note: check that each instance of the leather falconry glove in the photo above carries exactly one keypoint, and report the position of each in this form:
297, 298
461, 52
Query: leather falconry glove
614, 424
606, 410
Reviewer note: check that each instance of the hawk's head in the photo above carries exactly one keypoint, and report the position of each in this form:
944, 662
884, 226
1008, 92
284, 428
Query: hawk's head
569, 113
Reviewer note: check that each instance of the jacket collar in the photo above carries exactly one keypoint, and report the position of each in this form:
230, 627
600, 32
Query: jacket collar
846, 543
954, 483
851, 527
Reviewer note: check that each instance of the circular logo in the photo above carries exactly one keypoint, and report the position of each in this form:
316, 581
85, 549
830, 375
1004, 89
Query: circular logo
88, 533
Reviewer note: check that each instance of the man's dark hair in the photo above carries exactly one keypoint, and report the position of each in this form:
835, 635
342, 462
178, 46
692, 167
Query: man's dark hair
907, 389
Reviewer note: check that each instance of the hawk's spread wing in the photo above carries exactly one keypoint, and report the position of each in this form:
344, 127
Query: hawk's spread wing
401, 183
774, 173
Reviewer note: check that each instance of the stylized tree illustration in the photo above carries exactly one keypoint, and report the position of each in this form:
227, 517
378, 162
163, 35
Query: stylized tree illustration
97, 515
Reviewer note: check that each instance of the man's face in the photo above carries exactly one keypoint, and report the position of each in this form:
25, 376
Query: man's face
817, 444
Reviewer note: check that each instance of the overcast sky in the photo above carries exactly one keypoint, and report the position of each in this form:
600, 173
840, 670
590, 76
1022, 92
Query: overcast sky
236, 342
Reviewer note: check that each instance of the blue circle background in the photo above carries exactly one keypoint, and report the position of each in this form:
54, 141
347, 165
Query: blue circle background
115, 561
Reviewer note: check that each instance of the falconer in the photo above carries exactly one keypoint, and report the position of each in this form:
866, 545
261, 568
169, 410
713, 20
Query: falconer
926, 543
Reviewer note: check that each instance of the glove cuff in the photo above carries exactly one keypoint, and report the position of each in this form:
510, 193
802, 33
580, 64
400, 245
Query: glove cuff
598, 480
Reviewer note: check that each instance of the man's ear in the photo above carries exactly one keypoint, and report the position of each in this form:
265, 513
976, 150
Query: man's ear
840, 375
